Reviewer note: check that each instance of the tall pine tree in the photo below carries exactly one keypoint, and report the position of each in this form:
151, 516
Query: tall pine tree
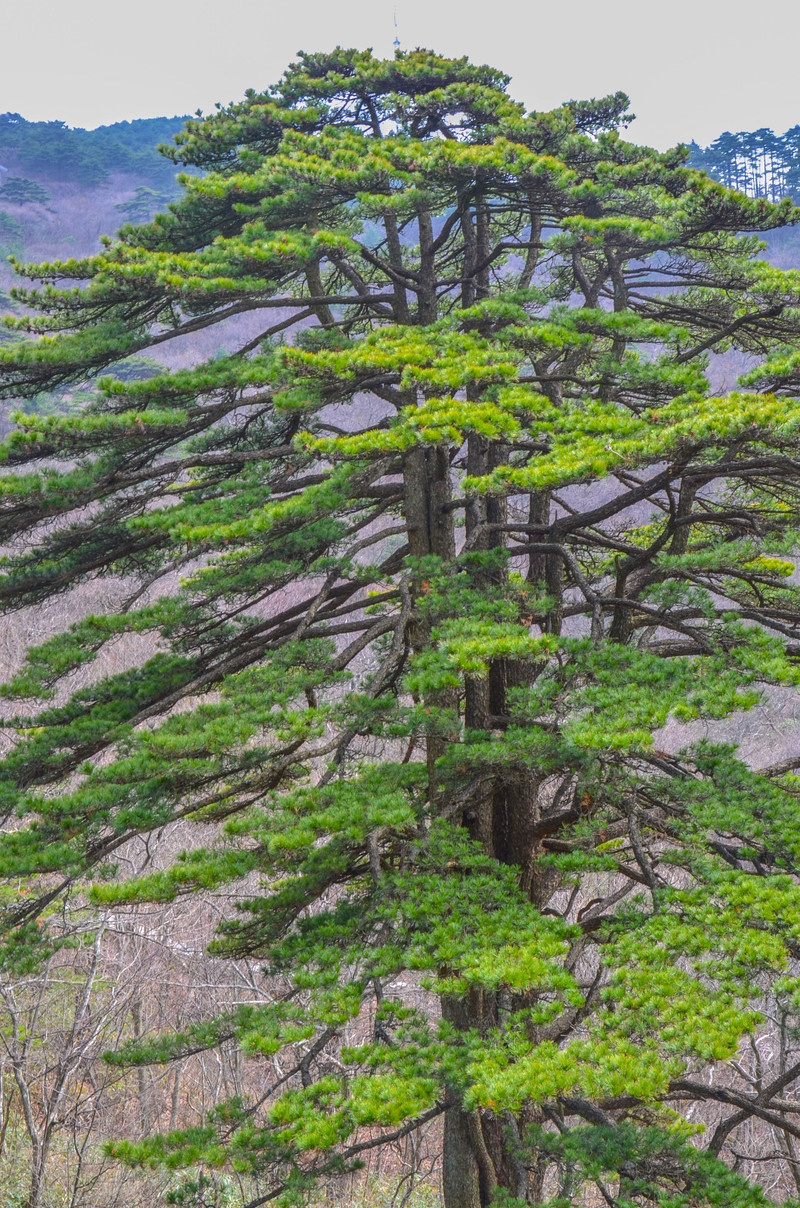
461, 527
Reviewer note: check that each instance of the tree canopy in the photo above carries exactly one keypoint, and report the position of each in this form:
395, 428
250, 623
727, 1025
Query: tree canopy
459, 529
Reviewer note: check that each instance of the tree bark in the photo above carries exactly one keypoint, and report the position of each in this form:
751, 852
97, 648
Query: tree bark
479, 1147
479, 1151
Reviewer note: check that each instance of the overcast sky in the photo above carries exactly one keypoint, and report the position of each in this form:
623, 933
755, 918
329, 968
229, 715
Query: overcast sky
692, 68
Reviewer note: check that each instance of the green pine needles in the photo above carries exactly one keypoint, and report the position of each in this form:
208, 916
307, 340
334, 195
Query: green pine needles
460, 528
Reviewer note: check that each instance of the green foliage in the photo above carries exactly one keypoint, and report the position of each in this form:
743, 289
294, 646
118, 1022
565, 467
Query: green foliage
673, 1172
20, 191
453, 553
204, 1191
144, 204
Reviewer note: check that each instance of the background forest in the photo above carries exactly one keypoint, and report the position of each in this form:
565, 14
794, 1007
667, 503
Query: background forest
142, 969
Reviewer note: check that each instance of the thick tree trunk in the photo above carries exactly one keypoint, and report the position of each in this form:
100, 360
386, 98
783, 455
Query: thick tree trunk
480, 1152
428, 494
460, 1174
429, 520
469, 1172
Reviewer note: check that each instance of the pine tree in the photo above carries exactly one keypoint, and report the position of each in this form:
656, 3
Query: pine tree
461, 527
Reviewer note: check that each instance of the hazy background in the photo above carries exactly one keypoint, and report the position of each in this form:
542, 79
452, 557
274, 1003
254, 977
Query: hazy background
693, 68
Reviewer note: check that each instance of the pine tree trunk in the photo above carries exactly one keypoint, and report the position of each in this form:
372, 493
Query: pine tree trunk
469, 1172
429, 520
460, 1173
480, 1149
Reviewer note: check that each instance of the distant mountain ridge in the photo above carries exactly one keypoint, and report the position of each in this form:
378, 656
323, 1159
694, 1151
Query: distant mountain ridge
55, 151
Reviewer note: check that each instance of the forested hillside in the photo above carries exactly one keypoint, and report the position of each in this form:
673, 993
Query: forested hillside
61, 188
399, 755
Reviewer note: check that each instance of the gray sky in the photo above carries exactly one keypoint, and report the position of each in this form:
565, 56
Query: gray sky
692, 68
